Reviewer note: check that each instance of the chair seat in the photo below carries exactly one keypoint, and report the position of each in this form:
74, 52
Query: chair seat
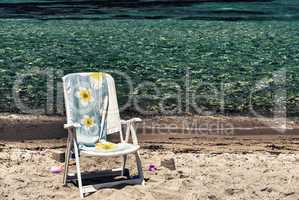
120, 149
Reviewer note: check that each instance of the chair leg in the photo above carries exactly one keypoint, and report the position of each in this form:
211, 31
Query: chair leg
124, 164
139, 168
67, 158
79, 178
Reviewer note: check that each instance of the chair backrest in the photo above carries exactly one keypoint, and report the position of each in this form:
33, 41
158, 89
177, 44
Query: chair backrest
90, 100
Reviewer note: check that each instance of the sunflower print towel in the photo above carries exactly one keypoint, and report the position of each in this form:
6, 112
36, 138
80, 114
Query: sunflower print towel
85, 94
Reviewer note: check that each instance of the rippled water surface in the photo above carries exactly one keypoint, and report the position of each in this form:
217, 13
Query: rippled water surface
239, 44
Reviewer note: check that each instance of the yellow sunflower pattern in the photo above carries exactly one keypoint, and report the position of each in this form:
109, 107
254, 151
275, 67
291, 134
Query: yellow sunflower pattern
96, 75
96, 79
85, 95
88, 121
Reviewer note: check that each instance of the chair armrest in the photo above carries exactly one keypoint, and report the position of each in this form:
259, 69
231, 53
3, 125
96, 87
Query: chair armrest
131, 120
130, 129
72, 125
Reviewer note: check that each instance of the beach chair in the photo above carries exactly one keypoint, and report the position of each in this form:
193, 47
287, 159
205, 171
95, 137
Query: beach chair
93, 114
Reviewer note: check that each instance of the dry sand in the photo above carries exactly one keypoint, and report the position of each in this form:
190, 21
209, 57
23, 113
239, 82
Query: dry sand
206, 168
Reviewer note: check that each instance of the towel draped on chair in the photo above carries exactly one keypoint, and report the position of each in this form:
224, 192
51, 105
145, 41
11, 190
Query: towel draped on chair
92, 104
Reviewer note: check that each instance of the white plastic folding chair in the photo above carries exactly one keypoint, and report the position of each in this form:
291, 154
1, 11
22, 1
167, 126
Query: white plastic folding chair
92, 114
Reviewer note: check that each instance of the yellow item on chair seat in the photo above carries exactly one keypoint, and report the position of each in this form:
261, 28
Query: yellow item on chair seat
105, 146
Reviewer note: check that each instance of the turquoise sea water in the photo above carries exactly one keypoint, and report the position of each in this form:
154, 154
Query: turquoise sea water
236, 44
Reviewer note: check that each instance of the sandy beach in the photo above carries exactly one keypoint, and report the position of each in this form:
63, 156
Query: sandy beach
252, 167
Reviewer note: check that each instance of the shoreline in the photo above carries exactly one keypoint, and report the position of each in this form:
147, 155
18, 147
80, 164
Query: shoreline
14, 127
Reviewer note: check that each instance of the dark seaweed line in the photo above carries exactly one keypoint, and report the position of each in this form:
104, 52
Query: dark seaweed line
256, 18
127, 17
127, 3
69, 11
59, 11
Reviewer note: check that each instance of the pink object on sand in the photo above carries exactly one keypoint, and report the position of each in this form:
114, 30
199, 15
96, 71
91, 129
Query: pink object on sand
152, 168
55, 169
